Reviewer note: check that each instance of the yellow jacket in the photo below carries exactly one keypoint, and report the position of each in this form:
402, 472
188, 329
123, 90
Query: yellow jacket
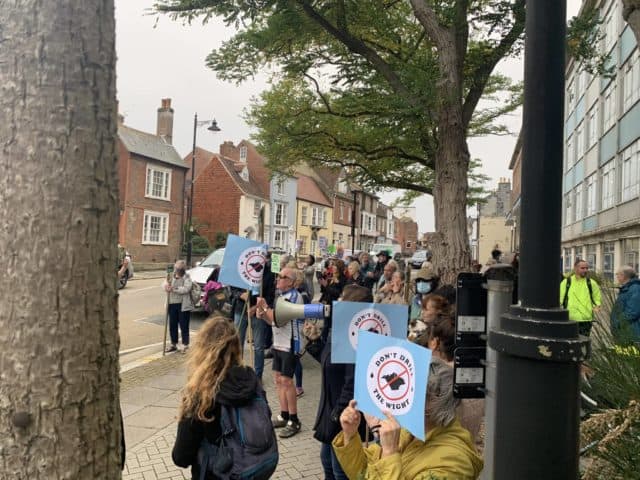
447, 453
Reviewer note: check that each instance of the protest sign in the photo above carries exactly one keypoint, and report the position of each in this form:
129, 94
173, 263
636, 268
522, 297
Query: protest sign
243, 263
348, 318
392, 375
275, 263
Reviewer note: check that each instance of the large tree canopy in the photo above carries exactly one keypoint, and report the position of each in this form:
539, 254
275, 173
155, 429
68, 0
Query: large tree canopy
390, 87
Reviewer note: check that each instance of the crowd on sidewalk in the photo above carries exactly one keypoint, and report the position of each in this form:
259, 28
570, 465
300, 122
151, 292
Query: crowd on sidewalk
352, 445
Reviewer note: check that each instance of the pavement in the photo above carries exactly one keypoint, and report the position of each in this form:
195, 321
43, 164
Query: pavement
149, 398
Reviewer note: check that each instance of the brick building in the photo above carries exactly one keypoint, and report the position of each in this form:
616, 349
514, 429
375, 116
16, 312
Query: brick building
407, 235
227, 197
151, 182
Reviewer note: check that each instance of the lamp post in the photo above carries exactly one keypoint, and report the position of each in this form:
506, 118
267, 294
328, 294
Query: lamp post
538, 350
213, 128
355, 191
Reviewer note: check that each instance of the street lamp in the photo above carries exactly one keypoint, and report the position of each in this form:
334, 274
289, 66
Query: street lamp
355, 191
213, 128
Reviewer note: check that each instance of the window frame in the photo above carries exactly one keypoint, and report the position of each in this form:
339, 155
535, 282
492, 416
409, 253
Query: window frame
166, 185
282, 213
146, 228
608, 185
592, 195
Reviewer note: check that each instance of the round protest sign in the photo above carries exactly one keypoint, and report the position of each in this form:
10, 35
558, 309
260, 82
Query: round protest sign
391, 379
369, 320
251, 265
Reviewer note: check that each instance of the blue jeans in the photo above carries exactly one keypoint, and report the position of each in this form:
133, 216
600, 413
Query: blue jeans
258, 328
330, 464
177, 317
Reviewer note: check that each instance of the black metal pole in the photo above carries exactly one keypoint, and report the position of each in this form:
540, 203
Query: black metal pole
353, 227
536, 424
193, 177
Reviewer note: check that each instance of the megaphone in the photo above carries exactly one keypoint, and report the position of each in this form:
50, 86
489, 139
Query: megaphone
285, 311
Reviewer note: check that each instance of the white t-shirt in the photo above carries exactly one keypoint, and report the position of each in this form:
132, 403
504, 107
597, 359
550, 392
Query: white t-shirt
282, 335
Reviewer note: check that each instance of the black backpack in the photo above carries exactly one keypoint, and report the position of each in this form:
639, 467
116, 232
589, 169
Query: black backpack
247, 448
565, 300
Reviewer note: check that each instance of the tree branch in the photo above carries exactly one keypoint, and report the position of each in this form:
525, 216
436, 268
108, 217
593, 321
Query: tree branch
429, 21
359, 47
481, 75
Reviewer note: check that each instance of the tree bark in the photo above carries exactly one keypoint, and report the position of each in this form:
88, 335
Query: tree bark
59, 400
451, 253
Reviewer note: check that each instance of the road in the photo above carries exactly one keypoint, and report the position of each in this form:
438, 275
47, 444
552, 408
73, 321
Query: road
142, 305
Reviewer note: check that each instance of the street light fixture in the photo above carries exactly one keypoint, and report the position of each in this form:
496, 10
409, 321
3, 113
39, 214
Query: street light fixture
355, 191
213, 128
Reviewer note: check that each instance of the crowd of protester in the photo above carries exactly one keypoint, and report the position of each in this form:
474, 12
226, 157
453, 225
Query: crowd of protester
352, 446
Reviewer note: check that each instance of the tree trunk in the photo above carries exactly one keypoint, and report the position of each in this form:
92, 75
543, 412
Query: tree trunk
451, 249
59, 401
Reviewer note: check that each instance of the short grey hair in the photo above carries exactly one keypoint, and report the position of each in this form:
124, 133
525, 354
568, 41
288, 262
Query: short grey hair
181, 264
629, 272
441, 404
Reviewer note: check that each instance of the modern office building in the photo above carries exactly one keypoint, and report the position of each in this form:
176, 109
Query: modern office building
601, 179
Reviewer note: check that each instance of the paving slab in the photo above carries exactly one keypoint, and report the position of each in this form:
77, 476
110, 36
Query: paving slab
152, 417
144, 395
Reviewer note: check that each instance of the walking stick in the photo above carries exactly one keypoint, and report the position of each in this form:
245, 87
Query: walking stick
166, 312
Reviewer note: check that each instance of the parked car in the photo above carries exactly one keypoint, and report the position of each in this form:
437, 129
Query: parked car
418, 258
203, 270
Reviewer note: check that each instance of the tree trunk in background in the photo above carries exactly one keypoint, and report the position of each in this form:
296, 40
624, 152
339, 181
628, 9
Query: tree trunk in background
59, 400
451, 253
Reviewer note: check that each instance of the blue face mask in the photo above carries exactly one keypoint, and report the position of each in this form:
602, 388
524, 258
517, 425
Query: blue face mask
423, 287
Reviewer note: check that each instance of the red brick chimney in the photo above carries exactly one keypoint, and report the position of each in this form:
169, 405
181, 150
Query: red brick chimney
229, 150
165, 121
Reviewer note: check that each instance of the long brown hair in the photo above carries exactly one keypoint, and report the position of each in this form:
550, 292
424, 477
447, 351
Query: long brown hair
215, 351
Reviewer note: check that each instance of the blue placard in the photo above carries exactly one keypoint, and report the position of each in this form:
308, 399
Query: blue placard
392, 375
243, 263
350, 317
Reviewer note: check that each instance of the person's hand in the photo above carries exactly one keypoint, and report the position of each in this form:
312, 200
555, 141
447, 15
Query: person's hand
243, 296
349, 421
389, 435
370, 274
323, 282
167, 287
252, 311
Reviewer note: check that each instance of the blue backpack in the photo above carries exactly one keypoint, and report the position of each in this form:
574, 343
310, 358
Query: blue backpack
247, 448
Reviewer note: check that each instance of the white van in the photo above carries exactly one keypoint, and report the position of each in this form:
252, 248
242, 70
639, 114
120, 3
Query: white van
392, 248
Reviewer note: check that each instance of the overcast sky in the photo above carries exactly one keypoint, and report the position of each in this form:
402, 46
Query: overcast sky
168, 62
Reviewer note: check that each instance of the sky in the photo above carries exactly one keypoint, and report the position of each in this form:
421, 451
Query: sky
162, 58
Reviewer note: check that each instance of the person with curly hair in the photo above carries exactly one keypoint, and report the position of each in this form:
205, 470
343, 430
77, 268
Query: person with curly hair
216, 376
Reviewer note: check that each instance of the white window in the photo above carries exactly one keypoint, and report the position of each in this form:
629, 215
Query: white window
315, 216
578, 202
592, 203
257, 205
592, 126
341, 211
156, 226
280, 187
158, 183
610, 28
580, 140
243, 153
570, 153
568, 209
609, 110
324, 218
568, 264
608, 259
278, 238
608, 184
631, 171
631, 252
631, 81
591, 255
281, 214
303, 216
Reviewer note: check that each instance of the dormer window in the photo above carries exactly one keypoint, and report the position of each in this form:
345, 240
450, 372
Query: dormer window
243, 153
244, 173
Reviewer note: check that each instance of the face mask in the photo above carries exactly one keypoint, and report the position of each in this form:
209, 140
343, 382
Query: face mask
423, 287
